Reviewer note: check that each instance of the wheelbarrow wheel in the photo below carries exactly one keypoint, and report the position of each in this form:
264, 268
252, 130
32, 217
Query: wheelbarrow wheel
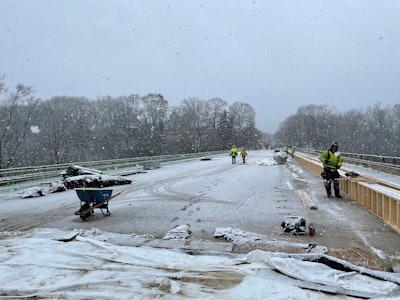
84, 217
85, 212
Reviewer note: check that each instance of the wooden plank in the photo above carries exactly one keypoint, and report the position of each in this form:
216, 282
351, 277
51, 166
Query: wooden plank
305, 197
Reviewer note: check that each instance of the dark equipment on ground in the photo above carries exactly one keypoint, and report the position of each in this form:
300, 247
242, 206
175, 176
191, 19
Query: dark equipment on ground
294, 224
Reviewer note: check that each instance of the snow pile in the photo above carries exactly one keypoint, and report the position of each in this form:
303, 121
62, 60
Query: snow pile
236, 236
251, 239
75, 170
32, 192
57, 186
180, 232
266, 162
95, 181
54, 264
36, 191
76, 176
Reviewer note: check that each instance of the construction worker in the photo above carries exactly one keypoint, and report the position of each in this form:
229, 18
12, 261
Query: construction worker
233, 153
293, 150
332, 161
243, 153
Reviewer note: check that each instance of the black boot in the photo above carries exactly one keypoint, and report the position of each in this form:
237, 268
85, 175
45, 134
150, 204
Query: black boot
336, 188
328, 188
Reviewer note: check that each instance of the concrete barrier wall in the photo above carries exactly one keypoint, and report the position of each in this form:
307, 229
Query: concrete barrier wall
380, 198
151, 164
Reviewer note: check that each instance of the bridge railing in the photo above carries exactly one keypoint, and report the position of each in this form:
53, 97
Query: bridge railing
390, 164
378, 197
13, 175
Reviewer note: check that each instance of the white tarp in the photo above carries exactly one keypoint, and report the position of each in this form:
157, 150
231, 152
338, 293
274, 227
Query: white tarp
86, 267
322, 274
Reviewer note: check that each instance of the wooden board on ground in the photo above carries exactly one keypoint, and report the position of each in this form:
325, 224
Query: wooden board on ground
305, 197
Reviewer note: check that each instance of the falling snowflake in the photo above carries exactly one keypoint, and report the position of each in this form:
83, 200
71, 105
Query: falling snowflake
35, 129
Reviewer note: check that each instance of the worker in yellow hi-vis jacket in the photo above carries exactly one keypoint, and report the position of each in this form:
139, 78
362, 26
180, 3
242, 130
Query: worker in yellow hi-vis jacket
332, 161
233, 153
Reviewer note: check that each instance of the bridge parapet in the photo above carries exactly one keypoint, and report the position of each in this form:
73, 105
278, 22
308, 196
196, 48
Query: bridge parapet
378, 197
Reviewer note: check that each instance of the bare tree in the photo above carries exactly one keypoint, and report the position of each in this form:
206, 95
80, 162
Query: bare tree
215, 107
64, 124
352, 125
153, 118
315, 122
195, 118
312, 126
380, 128
72, 129
243, 124
176, 137
16, 109
117, 127
394, 148
213, 114
225, 130
289, 132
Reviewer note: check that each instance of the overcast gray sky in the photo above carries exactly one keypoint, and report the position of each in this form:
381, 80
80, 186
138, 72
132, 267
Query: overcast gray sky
275, 55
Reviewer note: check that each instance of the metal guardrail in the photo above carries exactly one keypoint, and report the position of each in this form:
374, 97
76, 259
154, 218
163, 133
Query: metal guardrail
15, 175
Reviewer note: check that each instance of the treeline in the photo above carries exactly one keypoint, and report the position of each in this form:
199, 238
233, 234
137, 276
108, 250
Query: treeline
373, 130
73, 129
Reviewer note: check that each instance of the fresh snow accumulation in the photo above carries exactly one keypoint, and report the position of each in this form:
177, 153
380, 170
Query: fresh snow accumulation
71, 262
78, 264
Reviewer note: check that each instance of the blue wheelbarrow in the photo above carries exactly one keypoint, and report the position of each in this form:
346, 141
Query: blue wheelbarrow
92, 198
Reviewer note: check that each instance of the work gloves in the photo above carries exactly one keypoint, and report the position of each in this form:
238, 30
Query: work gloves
327, 163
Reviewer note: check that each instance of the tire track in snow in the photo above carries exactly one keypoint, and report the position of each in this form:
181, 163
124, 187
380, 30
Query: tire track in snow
161, 188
